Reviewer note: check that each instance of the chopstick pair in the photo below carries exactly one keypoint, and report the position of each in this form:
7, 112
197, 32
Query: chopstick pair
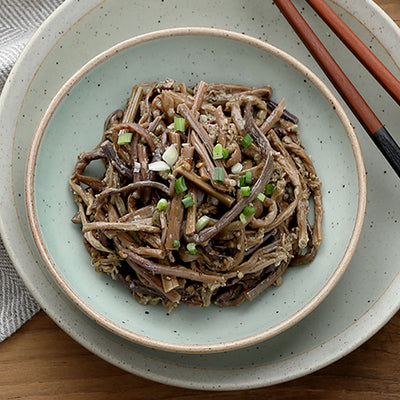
373, 126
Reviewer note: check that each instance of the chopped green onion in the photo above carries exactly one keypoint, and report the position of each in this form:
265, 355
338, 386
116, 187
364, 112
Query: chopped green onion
217, 152
202, 222
187, 201
170, 155
176, 244
219, 174
237, 168
179, 124
162, 204
249, 210
192, 248
246, 179
225, 153
261, 197
124, 138
246, 141
242, 218
269, 189
245, 191
220, 152
180, 185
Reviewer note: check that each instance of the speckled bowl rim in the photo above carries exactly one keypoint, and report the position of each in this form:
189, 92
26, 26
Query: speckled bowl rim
145, 340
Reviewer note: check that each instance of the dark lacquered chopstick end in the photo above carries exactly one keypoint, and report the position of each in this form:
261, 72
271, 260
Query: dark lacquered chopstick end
388, 147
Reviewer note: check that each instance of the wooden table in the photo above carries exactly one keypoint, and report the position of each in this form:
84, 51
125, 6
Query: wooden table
40, 361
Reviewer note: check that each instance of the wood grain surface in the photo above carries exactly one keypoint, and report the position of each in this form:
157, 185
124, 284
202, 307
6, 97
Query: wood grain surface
40, 361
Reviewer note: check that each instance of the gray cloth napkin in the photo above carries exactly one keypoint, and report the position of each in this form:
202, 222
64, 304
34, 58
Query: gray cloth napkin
19, 19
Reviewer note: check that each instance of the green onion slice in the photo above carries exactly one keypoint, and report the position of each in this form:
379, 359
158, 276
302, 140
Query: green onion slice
248, 179
261, 197
245, 191
188, 201
246, 141
243, 219
237, 168
179, 124
162, 204
124, 138
249, 210
202, 222
219, 174
191, 247
217, 152
269, 189
176, 244
225, 153
220, 152
180, 185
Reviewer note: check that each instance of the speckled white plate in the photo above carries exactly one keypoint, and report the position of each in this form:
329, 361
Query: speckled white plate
369, 292
74, 122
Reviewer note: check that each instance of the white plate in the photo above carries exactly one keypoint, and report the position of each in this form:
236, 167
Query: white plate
368, 294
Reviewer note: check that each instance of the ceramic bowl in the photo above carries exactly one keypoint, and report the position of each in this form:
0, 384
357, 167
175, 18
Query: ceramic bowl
73, 122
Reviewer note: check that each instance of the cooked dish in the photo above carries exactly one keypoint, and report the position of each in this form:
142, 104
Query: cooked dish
204, 197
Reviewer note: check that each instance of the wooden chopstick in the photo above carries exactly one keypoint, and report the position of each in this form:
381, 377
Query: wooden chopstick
343, 85
388, 81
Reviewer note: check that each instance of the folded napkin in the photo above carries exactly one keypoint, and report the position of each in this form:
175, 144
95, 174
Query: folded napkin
19, 19
16, 303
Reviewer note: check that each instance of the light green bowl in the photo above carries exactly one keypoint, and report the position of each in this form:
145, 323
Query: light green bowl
74, 122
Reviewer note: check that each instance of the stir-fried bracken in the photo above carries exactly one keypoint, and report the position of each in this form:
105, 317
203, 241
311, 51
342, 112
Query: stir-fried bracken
204, 197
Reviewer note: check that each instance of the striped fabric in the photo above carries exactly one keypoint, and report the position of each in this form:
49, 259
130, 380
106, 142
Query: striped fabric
18, 21
16, 304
